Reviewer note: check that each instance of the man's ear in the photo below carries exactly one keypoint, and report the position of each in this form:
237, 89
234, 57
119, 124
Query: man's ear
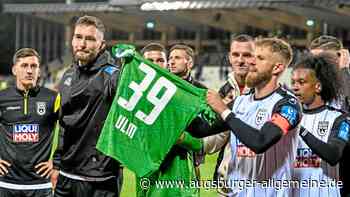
190, 64
278, 68
318, 87
13, 70
103, 45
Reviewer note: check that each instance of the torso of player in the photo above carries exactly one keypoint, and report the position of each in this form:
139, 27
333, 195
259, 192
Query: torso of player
276, 162
307, 163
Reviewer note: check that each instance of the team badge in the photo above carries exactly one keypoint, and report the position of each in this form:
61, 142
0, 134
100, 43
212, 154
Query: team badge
261, 116
41, 108
68, 81
322, 128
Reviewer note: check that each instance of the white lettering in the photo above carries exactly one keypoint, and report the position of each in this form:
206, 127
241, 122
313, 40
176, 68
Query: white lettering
125, 126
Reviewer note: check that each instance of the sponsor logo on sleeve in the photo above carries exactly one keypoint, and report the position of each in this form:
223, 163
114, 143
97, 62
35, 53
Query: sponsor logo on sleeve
25, 133
344, 131
290, 113
10, 108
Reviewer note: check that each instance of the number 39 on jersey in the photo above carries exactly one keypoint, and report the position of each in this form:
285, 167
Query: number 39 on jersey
159, 102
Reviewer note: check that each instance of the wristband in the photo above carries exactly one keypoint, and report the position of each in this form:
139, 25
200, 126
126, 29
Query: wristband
225, 113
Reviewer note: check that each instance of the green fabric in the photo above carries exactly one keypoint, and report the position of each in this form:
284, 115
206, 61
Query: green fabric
55, 140
191, 143
131, 135
179, 177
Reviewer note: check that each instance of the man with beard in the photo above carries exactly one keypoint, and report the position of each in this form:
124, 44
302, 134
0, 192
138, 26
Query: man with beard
241, 52
263, 125
87, 91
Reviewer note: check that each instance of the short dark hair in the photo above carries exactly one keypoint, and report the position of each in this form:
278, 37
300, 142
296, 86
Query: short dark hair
91, 20
326, 43
25, 52
324, 66
189, 51
153, 46
242, 38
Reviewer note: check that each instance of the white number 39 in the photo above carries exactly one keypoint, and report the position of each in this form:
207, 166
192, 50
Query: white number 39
159, 103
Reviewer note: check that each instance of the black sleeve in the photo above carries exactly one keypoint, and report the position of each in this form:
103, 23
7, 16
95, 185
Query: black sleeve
257, 141
332, 150
200, 128
114, 82
270, 133
225, 89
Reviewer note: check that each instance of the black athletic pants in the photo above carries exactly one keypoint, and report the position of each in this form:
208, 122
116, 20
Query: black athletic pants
67, 187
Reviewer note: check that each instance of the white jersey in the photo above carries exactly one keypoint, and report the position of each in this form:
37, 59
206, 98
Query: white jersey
276, 163
309, 167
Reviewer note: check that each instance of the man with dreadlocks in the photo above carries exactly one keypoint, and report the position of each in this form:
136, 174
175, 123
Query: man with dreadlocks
324, 130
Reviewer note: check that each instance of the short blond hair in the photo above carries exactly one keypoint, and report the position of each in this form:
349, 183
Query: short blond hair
189, 51
279, 46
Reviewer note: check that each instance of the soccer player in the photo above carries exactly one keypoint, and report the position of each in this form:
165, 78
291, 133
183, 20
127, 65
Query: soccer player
87, 91
324, 130
176, 165
155, 53
241, 52
28, 115
333, 45
263, 123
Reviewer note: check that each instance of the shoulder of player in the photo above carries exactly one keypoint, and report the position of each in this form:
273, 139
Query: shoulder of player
287, 98
198, 84
7, 91
47, 92
110, 69
343, 117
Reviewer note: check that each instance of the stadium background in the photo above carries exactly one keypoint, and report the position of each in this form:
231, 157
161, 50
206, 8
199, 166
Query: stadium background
206, 25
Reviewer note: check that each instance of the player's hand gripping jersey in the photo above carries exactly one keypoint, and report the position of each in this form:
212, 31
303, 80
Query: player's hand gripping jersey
263, 139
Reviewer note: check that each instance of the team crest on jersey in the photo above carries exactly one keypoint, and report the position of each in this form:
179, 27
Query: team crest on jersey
261, 116
68, 81
25, 133
41, 108
322, 128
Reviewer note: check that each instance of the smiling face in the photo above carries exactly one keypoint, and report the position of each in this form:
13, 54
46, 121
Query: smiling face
87, 42
305, 85
240, 54
27, 72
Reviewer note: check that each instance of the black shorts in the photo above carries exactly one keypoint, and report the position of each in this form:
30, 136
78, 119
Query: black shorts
25, 193
67, 187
